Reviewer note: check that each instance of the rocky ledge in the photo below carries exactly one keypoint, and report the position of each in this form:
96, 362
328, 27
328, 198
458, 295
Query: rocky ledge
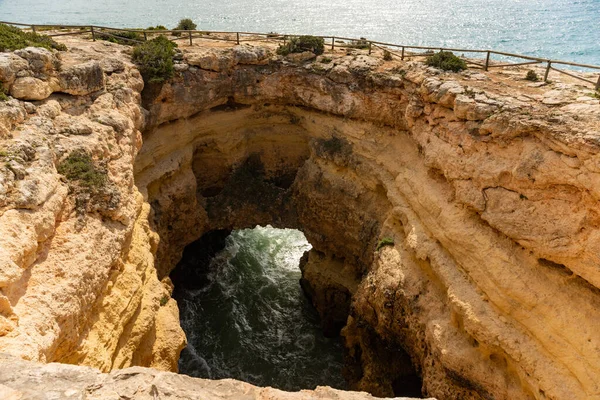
453, 217
20, 380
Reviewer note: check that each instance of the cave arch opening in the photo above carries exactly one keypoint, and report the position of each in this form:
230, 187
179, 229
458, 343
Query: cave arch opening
289, 168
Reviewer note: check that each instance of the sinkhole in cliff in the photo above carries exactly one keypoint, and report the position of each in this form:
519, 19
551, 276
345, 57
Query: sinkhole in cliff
245, 315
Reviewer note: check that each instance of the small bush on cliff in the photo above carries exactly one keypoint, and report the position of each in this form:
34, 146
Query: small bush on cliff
79, 167
157, 28
447, 61
387, 56
361, 43
333, 146
164, 300
120, 37
301, 44
185, 24
386, 241
532, 76
154, 58
3, 93
12, 38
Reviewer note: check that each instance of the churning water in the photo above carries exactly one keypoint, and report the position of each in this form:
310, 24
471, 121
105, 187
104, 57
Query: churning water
560, 29
246, 317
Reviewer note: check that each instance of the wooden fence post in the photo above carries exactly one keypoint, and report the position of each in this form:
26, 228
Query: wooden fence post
237, 35
487, 61
547, 71
332, 43
145, 36
190, 38
598, 84
93, 34
402, 56
370, 47
33, 28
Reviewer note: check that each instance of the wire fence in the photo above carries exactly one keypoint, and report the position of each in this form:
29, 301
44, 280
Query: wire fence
395, 50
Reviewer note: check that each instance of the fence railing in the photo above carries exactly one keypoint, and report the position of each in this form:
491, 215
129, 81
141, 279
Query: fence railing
402, 51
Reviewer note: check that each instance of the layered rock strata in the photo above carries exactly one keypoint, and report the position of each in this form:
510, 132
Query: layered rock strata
77, 277
484, 189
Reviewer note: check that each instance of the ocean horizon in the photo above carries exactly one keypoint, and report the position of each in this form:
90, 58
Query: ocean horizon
565, 30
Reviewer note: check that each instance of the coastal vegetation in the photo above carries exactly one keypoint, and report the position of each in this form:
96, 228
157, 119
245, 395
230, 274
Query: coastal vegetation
361, 43
447, 61
532, 76
300, 44
79, 167
386, 241
185, 24
12, 38
120, 37
154, 59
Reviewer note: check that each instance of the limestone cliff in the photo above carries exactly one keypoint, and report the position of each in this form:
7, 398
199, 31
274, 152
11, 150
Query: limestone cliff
485, 188
77, 276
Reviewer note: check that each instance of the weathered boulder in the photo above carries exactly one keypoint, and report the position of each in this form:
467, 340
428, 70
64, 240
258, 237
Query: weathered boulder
82, 79
10, 65
30, 89
41, 61
211, 61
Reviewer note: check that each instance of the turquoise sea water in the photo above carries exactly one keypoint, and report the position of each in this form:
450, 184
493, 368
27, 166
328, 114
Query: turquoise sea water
560, 29
246, 317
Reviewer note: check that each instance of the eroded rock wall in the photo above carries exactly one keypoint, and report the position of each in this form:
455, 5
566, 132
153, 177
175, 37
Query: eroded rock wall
77, 277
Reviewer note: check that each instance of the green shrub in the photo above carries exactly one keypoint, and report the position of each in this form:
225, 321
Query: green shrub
334, 145
154, 58
398, 70
362, 43
386, 241
120, 37
164, 300
326, 60
186, 24
3, 95
157, 28
387, 56
447, 61
301, 44
12, 38
79, 167
532, 76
